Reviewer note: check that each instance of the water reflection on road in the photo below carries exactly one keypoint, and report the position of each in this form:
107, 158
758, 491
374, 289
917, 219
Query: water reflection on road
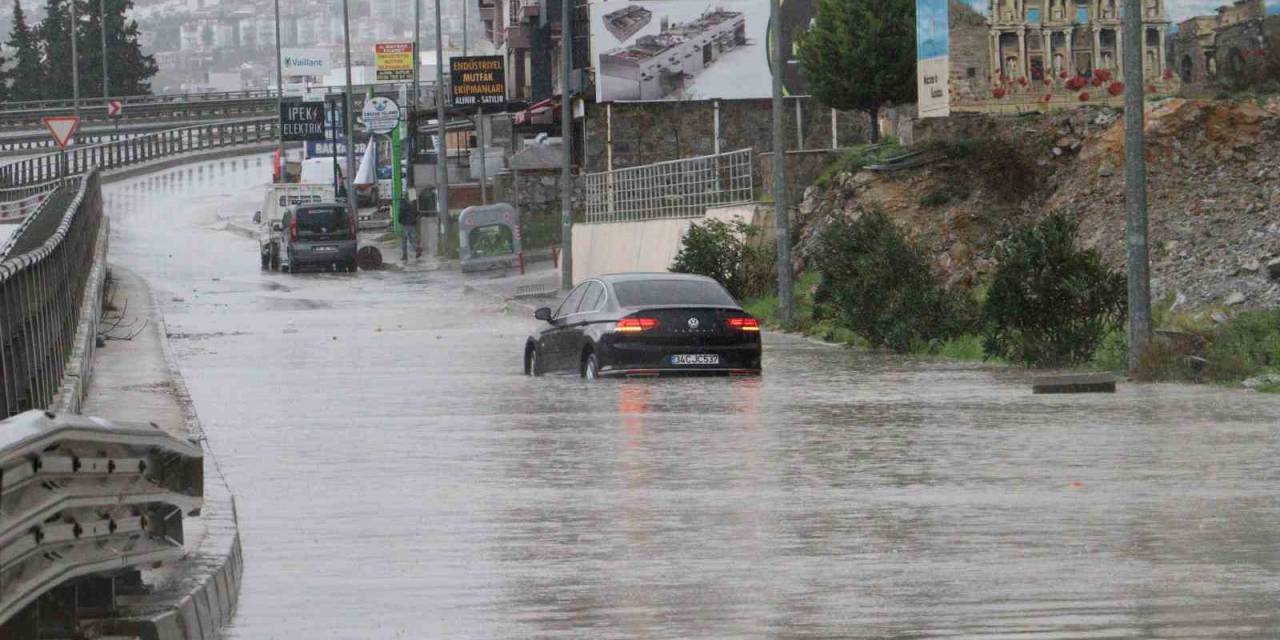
398, 477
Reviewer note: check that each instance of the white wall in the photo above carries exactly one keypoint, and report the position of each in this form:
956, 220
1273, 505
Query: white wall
650, 245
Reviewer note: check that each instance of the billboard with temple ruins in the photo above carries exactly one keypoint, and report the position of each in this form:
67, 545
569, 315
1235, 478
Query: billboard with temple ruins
1032, 55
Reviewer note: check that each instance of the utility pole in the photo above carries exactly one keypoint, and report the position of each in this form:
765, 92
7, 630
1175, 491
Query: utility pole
75, 62
280, 97
785, 299
106, 79
412, 125
464, 26
1135, 184
349, 116
442, 149
566, 134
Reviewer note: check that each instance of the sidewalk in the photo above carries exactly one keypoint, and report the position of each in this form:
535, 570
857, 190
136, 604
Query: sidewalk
138, 380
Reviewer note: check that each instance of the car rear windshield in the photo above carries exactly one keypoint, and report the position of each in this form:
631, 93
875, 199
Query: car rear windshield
655, 293
322, 220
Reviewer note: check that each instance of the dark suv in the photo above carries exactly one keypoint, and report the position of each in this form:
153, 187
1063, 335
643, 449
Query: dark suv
318, 235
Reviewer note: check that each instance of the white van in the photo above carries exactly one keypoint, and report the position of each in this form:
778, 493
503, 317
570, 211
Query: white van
319, 170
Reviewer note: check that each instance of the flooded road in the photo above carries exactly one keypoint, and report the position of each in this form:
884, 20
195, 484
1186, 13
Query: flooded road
397, 477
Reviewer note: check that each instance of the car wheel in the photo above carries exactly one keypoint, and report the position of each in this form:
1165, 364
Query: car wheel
591, 367
532, 363
275, 258
266, 259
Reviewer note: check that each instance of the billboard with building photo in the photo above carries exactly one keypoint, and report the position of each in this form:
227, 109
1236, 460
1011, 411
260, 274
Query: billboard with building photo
1024, 55
680, 49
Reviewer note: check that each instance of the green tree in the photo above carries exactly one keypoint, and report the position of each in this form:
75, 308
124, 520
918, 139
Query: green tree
25, 76
860, 54
130, 71
55, 50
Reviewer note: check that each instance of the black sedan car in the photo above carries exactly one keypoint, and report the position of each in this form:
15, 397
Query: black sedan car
645, 324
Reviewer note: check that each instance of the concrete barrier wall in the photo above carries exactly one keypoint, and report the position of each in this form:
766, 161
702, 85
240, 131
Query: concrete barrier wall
648, 245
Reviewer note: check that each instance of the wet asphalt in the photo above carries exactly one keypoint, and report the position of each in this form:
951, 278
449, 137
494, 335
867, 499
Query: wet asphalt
397, 477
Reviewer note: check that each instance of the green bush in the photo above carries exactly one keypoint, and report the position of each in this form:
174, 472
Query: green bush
726, 252
1050, 303
880, 287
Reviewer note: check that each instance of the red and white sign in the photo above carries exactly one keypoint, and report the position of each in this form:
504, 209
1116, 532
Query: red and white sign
62, 128
114, 109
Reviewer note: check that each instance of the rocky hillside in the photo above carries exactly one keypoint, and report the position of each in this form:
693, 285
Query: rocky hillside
1213, 179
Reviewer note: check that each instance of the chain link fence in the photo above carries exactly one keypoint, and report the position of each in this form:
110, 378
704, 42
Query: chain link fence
675, 189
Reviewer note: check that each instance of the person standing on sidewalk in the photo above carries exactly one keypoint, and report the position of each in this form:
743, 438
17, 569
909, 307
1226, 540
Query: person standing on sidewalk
409, 229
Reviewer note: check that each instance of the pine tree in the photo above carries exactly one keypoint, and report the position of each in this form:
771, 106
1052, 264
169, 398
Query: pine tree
860, 54
130, 70
26, 75
55, 50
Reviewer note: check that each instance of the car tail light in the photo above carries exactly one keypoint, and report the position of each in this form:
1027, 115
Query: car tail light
293, 228
635, 325
744, 324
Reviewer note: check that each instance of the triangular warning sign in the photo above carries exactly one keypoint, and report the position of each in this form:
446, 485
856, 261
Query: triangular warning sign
62, 128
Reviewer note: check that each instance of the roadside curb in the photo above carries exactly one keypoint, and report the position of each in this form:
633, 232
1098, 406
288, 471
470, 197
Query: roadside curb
498, 298
205, 596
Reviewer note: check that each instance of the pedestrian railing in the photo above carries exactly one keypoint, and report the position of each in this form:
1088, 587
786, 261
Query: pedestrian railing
137, 150
17, 203
675, 189
44, 268
82, 496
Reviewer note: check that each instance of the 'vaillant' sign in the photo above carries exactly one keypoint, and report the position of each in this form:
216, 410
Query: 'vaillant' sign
308, 61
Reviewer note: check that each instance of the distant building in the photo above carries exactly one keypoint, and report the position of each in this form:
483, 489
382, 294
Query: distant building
1206, 45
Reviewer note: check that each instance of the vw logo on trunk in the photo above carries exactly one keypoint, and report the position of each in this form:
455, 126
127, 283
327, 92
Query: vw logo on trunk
693, 323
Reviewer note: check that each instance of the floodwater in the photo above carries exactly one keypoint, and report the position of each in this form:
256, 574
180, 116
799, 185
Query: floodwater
397, 477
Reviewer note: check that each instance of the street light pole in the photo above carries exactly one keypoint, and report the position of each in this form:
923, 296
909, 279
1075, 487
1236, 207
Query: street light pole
442, 149
566, 134
464, 26
412, 125
106, 79
75, 63
280, 93
349, 117
1135, 184
785, 299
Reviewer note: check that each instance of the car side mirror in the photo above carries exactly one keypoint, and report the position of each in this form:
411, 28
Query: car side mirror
257, 217
543, 313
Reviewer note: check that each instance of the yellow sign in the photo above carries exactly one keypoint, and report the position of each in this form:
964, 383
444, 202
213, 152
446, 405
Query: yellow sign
393, 60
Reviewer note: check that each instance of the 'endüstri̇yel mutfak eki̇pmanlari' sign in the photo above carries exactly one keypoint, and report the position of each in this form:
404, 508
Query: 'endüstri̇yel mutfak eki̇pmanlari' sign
477, 81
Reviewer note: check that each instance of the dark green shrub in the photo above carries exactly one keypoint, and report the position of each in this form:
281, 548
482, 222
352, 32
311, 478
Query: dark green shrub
726, 252
1050, 303
879, 286
1247, 345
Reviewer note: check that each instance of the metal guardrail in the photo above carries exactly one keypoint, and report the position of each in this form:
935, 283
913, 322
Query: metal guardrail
674, 189
176, 106
137, 150
43, 272
81, 496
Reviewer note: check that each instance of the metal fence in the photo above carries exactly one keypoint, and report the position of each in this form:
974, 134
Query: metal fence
674, 189
137, 150
43, 273
83, 496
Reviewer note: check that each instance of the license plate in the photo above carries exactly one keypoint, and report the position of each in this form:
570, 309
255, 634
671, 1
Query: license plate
696, 358
326, 249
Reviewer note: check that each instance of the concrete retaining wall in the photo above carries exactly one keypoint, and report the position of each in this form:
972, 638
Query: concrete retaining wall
648, 245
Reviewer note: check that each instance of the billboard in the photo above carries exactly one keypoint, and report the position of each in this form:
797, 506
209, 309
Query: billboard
393, 61
301, 121
680, 49
309, 61
1010, 56
477, 81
